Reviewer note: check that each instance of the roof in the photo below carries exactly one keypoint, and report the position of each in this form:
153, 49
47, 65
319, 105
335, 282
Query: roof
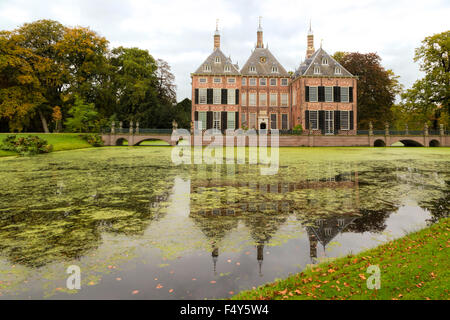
306, 68
263, 66
218, 67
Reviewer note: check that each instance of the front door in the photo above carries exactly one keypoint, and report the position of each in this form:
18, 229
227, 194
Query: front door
263, 126
329, 122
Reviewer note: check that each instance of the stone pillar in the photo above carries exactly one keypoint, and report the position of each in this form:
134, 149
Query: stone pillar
386, 129
406, 129
425, 130
113, 128
120, 126
441, 129
131, 127
137, 127
370, 128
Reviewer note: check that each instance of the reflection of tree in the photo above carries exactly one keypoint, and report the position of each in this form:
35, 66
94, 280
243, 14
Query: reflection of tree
370, 221
439, 208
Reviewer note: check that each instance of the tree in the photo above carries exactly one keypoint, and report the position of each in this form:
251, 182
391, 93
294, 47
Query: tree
428, 100
377, 87
83, 117
182, 113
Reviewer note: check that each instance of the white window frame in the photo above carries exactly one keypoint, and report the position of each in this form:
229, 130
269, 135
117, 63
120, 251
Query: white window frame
202, 80
201, 120
202, 96
217, 80
345, 92
217, 60
273, 99
252, 69
314, 123
262, 82
330, 95
316, 70
273, 79
231, 99
231, 80
243, 119
287, 121
346, 123
244, 99
252, 82
227, 69
337, 70
315, 91
263, 101
325, 61
216, 122
276, 121
231, 119
274, 69
252, 99
284, 100
252, 121
244, 81
217, 96
207, 68
284, 80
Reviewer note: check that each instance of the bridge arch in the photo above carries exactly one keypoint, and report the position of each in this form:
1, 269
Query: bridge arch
409, 142
143, 142
379, 143
121, 142
434, 143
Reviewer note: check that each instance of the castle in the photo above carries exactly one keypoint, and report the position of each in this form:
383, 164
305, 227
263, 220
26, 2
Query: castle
320, 95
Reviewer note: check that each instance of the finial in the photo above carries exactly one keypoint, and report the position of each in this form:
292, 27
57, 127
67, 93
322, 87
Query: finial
310, 28
259, 23
321, 40
217, 24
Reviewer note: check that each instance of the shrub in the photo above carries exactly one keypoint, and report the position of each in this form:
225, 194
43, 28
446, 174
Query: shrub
298, 129
30, 145
93, 139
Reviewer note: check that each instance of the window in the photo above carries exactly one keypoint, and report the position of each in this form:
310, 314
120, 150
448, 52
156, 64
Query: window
284, 121
262, 99
284, 100
244, 81
252, 99
252, 69
202, 80
244, 99
273, 121
217, 80
227, 69
252, 121
313, 94
284, 82
231, 96
252, 82
217, 95
325, 61
344, 94
345, 120
231, 119
231, 80
316, 70
216, 120
263, 82
243, 119
273, 82
328, 94
313, 116
201, 120
202, 96
274, 69
294, 97
273, 99
337, 70
217, 60
207, 68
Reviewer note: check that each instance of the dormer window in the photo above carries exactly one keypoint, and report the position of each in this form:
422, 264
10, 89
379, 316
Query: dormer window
227, 69
337, 70
252, 69
217, 60
207, 68
274, 69
325, 61
316, 70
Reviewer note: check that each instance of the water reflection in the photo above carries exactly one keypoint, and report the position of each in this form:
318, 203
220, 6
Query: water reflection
145, 214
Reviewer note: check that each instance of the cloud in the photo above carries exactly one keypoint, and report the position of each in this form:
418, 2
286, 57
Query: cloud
181, 32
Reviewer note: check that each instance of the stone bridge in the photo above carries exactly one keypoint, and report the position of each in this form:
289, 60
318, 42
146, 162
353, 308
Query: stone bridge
300, 140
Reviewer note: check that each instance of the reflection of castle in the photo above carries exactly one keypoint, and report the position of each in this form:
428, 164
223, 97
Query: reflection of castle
325, 206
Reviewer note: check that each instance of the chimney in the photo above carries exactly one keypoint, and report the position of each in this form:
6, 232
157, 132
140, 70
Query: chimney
259, 42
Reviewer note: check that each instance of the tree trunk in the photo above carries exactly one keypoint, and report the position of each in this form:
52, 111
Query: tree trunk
44, 122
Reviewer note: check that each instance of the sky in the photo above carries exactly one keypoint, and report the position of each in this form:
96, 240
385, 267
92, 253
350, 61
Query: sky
181, 32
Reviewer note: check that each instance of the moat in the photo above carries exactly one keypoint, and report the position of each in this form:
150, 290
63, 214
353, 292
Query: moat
140, 227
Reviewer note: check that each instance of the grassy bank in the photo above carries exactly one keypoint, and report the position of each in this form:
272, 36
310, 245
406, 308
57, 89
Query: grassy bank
416, 266
60, 141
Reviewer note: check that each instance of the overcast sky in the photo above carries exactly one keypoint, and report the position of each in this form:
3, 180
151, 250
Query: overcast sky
181, 32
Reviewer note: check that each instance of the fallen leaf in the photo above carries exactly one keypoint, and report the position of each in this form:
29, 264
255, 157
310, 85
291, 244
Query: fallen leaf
212, 282
135, 292
159, 286
171, 290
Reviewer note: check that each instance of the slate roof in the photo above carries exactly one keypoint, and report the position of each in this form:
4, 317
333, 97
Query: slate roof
218, 67
263, 68
306, 68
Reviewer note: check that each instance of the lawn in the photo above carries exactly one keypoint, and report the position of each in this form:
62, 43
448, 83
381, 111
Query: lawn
60, 141
416, 266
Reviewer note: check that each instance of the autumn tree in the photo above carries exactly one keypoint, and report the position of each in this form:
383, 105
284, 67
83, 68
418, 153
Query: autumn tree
377, 87
428, 100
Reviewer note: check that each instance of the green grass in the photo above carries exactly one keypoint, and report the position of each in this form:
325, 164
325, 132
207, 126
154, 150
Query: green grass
416, 266
60, 141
